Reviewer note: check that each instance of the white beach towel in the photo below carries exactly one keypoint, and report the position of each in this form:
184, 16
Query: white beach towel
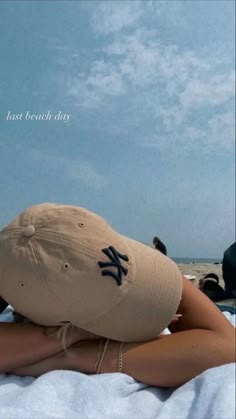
70, 395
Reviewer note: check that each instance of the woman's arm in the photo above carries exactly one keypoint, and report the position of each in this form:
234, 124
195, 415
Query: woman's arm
172, 360
23, 344
168, 361
205, 339
199, 312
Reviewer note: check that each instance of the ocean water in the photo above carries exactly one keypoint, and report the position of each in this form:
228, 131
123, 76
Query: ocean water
196, 260
191, 260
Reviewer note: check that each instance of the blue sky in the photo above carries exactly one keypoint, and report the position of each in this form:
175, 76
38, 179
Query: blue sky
149, 90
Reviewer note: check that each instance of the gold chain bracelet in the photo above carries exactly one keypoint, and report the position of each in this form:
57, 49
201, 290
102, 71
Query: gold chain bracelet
99, 354
120, 358
102, 357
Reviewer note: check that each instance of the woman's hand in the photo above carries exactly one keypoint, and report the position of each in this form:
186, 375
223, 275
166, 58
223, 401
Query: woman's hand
80, 357
27, 344
55, 362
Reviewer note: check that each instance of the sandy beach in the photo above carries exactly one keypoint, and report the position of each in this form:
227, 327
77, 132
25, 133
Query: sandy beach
200, 270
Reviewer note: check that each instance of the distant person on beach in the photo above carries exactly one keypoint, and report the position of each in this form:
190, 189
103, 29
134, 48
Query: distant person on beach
159, 245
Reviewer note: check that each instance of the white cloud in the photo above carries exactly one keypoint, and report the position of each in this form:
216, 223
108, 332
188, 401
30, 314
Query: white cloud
222, 130
216, 136
113, 16
75, 170
216, 91
85, 172
90, 90
150, 82
140, 61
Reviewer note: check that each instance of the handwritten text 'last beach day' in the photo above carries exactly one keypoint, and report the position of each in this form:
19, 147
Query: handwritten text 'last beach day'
59, 116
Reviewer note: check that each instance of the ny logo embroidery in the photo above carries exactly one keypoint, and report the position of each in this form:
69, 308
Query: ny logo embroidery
114, 257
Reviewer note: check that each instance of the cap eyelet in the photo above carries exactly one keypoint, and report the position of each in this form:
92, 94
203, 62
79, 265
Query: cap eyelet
22, 284
81, 225
66, 266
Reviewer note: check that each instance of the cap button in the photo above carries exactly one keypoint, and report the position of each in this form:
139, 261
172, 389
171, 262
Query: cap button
29, 231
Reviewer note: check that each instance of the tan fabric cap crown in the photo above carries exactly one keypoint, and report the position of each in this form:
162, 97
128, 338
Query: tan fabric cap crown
62, 263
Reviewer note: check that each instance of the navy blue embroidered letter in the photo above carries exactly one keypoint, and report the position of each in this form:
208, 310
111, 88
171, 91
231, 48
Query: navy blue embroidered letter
114, 257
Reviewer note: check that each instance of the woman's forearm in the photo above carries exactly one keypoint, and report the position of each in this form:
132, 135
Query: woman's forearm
199, 312
172, 360
169, 361
203, 338
58, 361
23, 344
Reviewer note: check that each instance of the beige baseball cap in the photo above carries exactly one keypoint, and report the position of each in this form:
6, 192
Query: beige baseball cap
64, 264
